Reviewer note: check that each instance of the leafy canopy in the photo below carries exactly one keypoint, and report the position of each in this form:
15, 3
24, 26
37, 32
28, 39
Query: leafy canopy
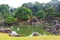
23, 13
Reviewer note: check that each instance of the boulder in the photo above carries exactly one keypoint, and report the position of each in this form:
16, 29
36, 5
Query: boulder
2, 29
8, 30
57, 26
5, 30
35, 34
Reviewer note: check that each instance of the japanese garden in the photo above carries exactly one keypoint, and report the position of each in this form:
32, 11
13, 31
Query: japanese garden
30, 19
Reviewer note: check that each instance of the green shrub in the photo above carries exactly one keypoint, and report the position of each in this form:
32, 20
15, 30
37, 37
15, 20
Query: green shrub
10, 20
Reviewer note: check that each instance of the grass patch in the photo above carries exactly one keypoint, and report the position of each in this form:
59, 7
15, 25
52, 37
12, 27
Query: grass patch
4, 36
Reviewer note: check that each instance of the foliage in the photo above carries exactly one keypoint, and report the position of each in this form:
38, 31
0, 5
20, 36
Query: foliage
1, 16
40, 14
33, 6
10, 19
51, 12
4, 9
23, 13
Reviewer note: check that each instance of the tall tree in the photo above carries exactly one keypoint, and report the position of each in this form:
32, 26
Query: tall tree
33, 6
4, 9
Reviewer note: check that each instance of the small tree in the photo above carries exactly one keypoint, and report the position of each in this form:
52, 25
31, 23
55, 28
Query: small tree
23, 13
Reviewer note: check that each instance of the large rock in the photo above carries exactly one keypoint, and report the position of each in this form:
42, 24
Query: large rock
8, 30
5, 30
57, 26
35, 34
